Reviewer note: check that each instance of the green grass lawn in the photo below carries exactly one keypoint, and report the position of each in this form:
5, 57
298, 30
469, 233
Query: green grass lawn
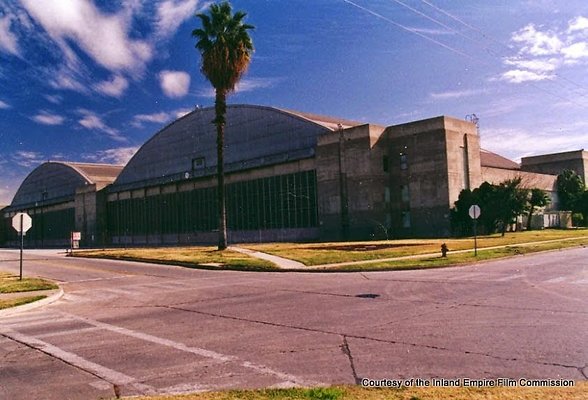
19, 301
576, 392
337, 252
207, 257
10, 283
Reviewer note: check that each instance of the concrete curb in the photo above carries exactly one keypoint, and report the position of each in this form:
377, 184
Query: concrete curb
31, 306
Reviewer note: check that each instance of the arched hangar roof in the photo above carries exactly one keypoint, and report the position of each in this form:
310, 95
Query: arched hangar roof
54, 180
254, 136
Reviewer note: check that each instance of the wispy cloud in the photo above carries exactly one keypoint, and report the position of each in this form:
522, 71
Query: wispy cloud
118, 156
507, 141
55, 99
159, 117
174, 83
543, 51
4, 105
457, 94
27, 159
92, 121
114, 87
47, 118
103, 37
8, 40
171, 14
245, 85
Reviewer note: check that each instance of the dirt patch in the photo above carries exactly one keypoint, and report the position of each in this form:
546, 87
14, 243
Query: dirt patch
365, 247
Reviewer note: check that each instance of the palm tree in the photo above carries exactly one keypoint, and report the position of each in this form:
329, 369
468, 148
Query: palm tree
226, 49
537, 198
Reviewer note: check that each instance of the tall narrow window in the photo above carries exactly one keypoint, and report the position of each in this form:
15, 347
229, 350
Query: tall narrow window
404, 193
406, 219
403, 161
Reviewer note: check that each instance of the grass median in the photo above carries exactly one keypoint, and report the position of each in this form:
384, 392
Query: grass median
13, 290
366, 255
577, 392
10, 283
202, 257
338, 252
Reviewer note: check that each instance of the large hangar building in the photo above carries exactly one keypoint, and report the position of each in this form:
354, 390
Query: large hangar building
290, 176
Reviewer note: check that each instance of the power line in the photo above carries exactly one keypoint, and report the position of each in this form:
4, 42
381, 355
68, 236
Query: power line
413, 31
478, 60
488, 37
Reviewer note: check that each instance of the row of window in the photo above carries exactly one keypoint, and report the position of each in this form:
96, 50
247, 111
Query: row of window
286, 201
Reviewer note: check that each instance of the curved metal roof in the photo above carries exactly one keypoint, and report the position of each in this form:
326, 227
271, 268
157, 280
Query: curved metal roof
254, 136
58, 179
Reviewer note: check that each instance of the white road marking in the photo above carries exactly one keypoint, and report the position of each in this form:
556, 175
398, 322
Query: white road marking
294, 380
109, 375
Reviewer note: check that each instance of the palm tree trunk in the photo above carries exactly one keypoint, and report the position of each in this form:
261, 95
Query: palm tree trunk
220, 108
529, 218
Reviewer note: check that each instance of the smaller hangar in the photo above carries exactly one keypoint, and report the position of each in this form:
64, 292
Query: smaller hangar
62, 197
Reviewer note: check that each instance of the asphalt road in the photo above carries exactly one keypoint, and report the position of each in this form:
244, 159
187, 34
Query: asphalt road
144, 328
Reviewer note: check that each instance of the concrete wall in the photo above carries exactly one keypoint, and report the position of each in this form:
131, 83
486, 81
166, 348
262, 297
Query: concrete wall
351, 183
442, 157
555, 163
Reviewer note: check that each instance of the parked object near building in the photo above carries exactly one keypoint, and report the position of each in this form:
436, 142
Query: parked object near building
289, 176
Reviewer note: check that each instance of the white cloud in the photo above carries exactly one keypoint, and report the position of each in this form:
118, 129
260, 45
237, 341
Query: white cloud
543, 51
118, 156
114, 87
4, 105
92, 121
103, 37
519, 76
159, 118
181, 112
46, 118
456, 94
174, 83
171, 14
537, 65
575, 51
8, 41
537, 43
578, 24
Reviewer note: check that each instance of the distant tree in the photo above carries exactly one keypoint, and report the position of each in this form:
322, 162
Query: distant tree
226, 49
537, 198
499, 205
569, 190
582, 206
510, 202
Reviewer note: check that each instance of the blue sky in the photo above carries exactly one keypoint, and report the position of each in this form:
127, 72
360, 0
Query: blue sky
89, 80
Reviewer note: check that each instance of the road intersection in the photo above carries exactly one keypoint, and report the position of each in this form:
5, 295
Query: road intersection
139, 328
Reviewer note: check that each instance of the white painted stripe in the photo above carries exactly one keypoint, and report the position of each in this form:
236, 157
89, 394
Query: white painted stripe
109, 375
556, 280
195, 350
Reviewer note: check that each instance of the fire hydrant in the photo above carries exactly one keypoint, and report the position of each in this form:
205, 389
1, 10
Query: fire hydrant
444, 250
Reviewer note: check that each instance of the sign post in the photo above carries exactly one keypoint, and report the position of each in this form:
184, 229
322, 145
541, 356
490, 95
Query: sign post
21, 222
474, 213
